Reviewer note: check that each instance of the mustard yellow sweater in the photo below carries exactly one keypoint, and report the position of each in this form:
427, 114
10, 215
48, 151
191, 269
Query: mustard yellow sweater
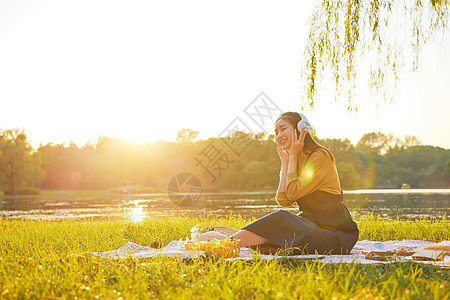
319, 173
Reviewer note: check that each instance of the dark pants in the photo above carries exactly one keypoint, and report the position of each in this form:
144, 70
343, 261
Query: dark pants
286, 230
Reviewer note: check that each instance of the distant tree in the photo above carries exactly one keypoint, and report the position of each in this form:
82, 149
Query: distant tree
446, 172
59, 162
375, 141
420, 166
258, 174
187, 136
335, 145
261, 136
410, 141
253, 163
75, 180
348, 176
18, 168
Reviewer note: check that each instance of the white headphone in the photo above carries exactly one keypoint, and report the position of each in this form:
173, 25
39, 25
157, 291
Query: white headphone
303, 124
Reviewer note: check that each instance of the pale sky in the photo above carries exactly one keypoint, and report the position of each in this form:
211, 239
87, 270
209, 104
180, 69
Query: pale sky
142, 70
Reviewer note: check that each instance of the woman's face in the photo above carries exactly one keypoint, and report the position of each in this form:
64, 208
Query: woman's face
283, 133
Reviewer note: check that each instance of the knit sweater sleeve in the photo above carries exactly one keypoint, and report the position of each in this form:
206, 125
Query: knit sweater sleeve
313, 176
282, 199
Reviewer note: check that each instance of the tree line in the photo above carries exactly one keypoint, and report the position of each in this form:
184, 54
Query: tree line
241, 161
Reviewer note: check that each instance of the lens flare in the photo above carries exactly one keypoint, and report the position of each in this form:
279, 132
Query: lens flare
307, 174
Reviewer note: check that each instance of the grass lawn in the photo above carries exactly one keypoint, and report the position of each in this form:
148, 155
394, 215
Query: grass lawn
36, 261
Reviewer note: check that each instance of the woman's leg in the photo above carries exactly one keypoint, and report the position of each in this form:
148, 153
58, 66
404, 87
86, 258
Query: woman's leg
248, 238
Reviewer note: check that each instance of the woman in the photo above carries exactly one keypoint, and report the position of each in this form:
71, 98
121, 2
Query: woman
309, 178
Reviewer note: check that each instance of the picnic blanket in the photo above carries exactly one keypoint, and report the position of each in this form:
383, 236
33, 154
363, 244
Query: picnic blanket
358, 254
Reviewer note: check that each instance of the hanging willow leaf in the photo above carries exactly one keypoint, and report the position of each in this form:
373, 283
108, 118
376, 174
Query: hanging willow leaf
347, 36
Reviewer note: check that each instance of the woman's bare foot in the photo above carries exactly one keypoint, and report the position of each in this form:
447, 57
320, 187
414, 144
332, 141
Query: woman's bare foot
226, 230
207, 236
248, 238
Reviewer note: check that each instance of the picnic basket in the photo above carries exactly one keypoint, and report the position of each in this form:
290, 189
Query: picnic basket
224, 248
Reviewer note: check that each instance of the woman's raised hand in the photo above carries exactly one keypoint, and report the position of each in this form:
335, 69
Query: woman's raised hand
282, 154
297, 143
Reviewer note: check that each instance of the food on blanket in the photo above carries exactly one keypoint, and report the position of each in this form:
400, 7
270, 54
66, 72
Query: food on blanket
405, 252
373, 256
378, 255
224, 248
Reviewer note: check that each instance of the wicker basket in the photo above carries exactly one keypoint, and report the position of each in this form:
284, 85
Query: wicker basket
224, 248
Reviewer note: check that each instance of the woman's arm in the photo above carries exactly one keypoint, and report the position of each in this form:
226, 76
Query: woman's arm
289, 164
282, 183
297, 156
281, 197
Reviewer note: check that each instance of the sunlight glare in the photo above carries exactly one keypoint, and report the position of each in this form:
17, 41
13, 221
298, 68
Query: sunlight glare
137, 214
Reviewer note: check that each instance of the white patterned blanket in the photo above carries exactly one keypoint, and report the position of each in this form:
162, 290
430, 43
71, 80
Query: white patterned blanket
357, 255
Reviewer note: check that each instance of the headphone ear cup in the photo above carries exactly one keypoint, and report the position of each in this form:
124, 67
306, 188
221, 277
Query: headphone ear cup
303, 124
300, 125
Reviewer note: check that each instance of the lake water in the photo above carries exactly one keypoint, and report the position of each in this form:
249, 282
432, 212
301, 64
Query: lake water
385, 203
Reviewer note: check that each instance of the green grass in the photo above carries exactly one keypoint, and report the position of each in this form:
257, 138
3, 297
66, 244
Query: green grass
36, 260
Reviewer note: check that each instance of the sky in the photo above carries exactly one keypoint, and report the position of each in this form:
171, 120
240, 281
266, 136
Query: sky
71, 71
